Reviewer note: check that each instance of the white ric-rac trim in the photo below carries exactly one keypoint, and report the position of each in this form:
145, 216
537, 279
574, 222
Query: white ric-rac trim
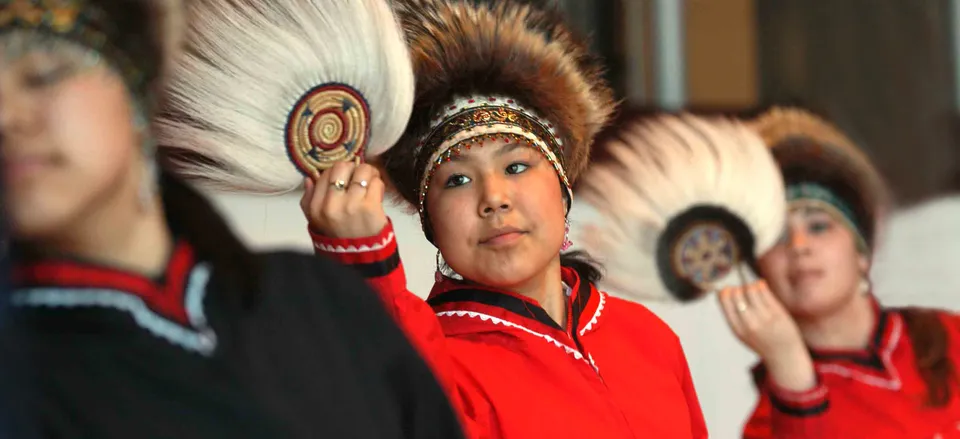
353, 249
596, 314
485, 317
201, 338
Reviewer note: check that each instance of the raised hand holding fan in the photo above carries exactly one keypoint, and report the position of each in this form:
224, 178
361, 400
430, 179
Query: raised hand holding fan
687, 204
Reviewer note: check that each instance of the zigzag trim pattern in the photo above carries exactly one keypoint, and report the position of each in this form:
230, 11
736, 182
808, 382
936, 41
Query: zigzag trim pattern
354, 249
459, 313
593, 363
596, 315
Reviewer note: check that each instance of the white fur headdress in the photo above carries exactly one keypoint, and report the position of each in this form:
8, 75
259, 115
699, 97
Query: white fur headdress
269, 91
688, 203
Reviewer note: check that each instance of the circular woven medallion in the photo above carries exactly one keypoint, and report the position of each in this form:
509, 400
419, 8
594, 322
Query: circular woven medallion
329, 124
704, 254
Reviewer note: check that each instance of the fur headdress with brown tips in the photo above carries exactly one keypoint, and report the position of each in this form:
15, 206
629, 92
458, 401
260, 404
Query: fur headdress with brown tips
513, 69
810, 150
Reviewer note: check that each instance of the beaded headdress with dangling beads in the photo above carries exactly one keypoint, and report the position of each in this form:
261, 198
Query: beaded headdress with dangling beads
139, 38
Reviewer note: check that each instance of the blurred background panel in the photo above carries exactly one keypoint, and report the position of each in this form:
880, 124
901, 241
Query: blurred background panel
885, 72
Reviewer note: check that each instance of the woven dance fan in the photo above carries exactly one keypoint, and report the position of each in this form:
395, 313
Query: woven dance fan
270, 91
688, 203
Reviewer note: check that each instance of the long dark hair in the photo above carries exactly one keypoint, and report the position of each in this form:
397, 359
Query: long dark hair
930, 341
193, 217
585, 265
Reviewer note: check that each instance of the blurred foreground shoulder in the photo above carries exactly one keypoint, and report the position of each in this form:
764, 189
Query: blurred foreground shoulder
337, 305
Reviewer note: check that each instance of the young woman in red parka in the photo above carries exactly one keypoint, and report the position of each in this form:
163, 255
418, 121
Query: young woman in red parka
835, 363
508, 104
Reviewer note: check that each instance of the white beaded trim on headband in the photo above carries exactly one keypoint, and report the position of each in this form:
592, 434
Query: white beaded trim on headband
485, 130
466, 135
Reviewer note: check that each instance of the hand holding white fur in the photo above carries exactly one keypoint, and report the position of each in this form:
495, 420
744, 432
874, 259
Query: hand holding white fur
345, 202
759, 320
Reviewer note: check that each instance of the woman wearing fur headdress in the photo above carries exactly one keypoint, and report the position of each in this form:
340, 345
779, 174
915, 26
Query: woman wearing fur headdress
508, 103
835, 362
141, 314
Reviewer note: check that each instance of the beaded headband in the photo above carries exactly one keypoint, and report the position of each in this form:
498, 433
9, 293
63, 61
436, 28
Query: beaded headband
89, 24
807, 193
473, 120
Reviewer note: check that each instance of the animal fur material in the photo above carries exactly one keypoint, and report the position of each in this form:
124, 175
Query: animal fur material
687, 203
267, 92
808, 148
520, 49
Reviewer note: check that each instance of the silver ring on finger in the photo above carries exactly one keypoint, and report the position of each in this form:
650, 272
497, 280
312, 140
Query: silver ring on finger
339, 185
742, 307
361, 183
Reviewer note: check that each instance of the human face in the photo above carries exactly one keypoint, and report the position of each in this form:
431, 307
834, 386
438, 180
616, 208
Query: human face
497, 214
816, 269
67, 139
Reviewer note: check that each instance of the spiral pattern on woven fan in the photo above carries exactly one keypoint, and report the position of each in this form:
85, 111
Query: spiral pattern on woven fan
328, 124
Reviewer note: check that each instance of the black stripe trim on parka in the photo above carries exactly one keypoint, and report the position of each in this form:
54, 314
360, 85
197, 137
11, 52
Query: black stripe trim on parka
871, 359
579, 304
505, 302
518, 306
379, 268
800, 412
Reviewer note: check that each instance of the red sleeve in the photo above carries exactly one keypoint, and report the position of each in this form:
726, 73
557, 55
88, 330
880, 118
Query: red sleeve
377, 259
758, 426
698, 425
783, 414
951, 321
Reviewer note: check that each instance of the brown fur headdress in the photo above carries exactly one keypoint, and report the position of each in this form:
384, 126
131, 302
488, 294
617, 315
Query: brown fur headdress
516, 55
809, 149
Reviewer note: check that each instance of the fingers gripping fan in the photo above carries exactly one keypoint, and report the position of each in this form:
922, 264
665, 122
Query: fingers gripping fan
270, 91
686, 204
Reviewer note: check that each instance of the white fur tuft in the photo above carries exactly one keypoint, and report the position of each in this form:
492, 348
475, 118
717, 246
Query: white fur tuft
247, 63
661, 169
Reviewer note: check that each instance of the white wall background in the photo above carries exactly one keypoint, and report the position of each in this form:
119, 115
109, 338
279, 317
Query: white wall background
919, 263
